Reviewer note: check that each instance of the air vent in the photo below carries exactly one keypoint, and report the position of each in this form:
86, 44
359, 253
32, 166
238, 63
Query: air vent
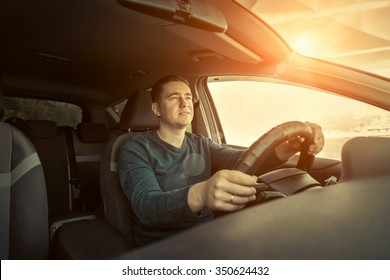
54, 58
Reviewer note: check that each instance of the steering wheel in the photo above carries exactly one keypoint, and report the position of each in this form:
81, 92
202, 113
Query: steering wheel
282, 182
253, 158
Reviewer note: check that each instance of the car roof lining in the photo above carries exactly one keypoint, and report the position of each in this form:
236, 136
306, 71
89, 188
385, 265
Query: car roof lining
89, 49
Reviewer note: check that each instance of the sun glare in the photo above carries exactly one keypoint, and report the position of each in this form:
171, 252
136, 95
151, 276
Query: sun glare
304, 44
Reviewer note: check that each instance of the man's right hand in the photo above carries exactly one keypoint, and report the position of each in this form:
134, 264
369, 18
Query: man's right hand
226, 190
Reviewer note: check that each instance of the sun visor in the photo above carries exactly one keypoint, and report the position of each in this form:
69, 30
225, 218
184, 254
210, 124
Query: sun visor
220, 43
196, 13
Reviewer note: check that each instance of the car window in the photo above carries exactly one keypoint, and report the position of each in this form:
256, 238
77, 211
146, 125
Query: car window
60, 112
249, 108
118, 107
321, 29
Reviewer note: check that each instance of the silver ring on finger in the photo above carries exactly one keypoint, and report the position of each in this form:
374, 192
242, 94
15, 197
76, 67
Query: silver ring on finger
231, 198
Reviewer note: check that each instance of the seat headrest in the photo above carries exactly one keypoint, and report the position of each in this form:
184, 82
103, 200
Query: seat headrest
41, 128
364, 157
19, 123
92, 132
137, 114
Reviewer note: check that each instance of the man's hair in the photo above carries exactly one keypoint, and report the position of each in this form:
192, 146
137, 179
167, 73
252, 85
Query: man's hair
158, 85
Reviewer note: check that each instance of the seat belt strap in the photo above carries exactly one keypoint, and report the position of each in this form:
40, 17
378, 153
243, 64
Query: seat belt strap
25, 166
74, 179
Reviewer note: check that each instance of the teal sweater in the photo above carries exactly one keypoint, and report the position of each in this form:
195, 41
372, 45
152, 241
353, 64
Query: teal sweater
156, 177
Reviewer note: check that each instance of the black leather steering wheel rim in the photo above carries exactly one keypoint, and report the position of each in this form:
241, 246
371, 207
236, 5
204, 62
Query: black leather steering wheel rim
254, 157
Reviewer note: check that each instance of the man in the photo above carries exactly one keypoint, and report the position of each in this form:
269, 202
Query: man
175, 179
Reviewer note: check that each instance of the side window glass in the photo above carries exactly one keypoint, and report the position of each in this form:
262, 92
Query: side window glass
60, 112
248, 109
118, 108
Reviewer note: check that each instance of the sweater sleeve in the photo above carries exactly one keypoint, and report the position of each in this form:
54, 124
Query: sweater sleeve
154, 208
225, 157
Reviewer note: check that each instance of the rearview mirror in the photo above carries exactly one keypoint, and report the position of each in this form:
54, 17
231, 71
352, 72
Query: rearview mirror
196, 13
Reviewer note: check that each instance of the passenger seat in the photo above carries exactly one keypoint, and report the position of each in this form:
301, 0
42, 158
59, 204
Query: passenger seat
24, 227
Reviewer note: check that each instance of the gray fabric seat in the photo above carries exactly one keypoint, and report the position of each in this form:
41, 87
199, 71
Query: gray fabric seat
88, 237
50, 144
89, 142
23, 201
28, 236
92, 239
137, 116
365, 157
98, 238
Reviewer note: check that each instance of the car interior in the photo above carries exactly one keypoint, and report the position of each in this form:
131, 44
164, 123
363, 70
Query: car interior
59, 187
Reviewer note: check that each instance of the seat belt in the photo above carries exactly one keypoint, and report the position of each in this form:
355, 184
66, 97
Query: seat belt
5, 188
74, 179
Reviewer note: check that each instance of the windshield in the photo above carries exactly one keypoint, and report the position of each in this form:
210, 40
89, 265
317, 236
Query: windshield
355, 33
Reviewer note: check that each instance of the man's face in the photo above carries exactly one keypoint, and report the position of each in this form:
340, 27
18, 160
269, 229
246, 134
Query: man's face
175, 107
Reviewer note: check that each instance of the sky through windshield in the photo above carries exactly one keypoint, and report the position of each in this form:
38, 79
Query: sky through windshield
350, 32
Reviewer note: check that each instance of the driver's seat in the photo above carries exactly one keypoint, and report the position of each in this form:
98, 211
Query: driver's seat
137, 117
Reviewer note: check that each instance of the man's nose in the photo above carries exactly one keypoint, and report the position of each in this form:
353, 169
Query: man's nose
183, 101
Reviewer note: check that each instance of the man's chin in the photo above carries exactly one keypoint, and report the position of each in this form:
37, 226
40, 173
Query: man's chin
183, 125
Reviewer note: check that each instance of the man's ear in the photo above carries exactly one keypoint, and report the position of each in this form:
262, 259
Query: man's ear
156, 109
